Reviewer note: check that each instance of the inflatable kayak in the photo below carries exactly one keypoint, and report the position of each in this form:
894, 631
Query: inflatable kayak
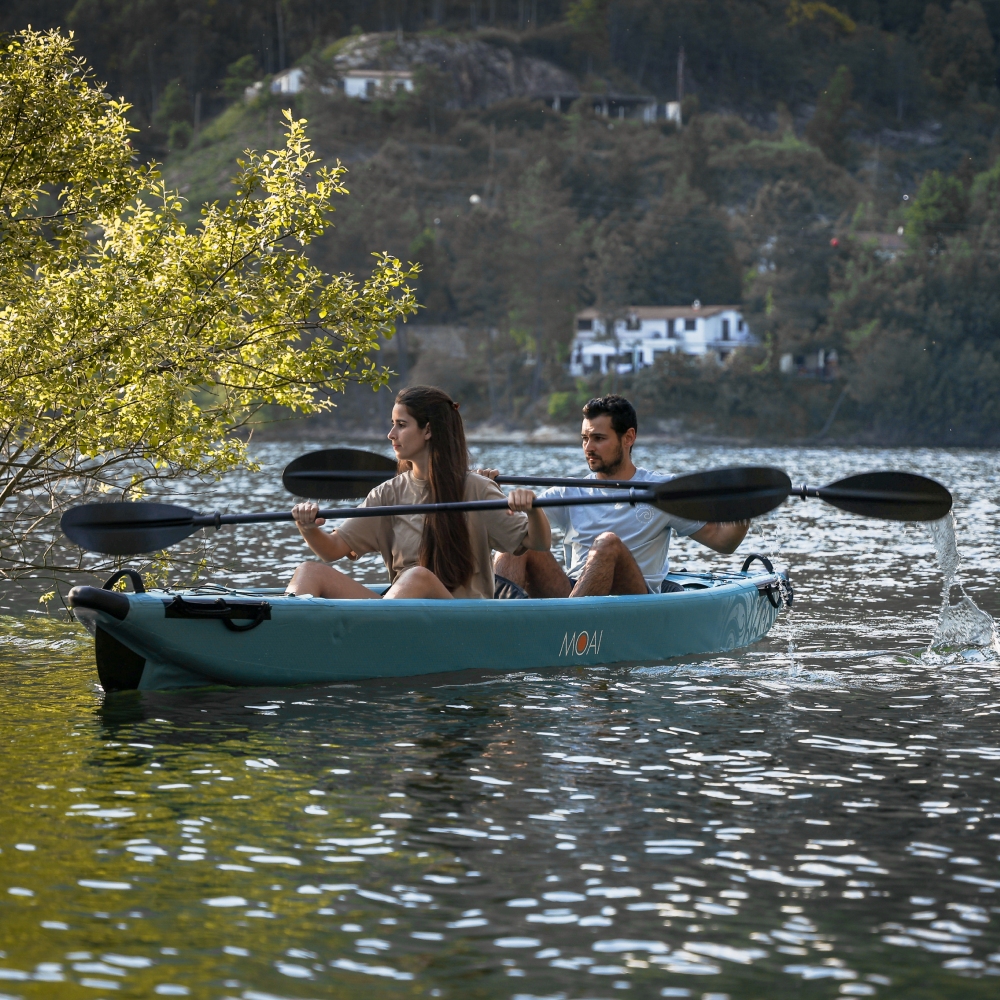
161, 639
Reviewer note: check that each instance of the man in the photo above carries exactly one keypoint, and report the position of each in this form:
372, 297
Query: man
619, 549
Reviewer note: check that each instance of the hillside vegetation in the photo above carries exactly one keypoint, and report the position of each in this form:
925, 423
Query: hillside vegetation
814, 133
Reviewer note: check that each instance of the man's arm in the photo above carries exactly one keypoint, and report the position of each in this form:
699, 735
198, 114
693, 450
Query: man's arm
722, 536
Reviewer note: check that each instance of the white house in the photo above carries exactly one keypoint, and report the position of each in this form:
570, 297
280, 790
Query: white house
671, 112
288, 81
647, 332
368, 84
634, 106
365, 84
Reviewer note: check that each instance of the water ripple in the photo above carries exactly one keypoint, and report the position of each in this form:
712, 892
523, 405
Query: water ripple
820, 808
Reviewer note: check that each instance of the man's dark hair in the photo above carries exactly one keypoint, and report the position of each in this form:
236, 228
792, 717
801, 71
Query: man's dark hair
621, 411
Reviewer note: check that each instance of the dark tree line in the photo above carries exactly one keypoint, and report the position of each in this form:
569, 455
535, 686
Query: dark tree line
814, 133
744, 55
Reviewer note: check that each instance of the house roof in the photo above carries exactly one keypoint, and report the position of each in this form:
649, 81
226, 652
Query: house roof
662, 312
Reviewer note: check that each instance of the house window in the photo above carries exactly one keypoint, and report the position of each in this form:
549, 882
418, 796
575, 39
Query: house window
585, 324
670, 329
369, 88
579, 356
633, 323
725, 329
739, 325
689, 324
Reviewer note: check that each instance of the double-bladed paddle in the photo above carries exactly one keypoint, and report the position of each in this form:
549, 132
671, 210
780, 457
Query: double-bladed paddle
344, 473
731, 494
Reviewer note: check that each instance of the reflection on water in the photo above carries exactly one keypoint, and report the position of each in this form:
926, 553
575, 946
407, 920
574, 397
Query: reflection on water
744, 825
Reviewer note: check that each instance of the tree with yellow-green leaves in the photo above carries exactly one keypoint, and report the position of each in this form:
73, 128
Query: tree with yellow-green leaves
132, 350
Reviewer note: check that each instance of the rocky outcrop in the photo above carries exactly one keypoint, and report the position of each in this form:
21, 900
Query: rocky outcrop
481, 73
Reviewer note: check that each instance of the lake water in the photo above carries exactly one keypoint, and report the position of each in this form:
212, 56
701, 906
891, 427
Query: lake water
817, 815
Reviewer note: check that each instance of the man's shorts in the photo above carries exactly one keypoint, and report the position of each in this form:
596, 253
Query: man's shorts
506, 590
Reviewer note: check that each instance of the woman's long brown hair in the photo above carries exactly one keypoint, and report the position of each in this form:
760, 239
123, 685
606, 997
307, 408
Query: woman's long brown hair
445, 548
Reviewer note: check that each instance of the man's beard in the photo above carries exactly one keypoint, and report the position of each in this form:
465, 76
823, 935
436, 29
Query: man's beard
608, 468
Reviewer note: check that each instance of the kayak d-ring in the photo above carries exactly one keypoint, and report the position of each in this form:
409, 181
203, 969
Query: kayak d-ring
179, 608
772, 592
137, 585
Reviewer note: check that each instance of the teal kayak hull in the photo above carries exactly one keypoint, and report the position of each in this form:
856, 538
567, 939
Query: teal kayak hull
161, 640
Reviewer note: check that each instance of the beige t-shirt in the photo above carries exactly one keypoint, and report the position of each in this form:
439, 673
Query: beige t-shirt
398, 537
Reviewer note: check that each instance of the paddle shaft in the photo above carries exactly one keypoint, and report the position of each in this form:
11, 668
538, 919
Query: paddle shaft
216, 520
342, 475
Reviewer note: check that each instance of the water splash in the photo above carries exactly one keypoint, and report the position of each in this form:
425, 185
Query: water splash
962, 623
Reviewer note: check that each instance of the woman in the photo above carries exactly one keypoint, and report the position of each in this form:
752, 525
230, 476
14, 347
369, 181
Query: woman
441, 555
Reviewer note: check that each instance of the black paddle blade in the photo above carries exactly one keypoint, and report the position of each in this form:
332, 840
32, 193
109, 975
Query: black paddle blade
893, 496
126, 529
336, 474
731, 494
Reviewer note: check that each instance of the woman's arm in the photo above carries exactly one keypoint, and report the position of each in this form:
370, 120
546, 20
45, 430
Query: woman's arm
328, 545
539, 536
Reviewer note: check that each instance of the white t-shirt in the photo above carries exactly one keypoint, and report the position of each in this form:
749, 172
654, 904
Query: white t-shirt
643, 528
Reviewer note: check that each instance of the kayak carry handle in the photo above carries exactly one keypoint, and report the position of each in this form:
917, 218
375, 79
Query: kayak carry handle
137, 585
179, 608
